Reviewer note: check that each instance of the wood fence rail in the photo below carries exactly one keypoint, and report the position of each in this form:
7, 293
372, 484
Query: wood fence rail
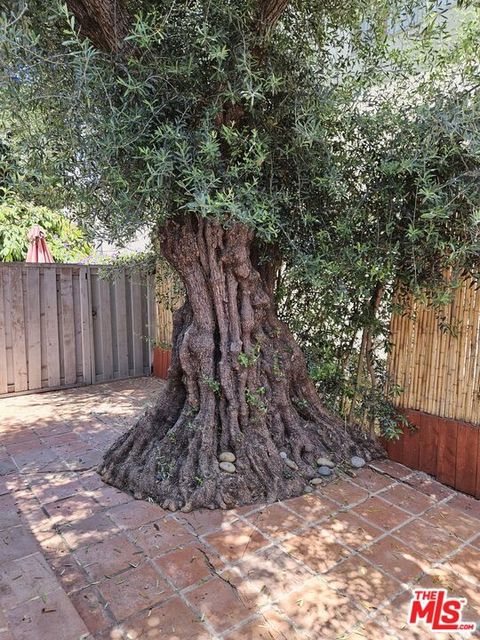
63, 325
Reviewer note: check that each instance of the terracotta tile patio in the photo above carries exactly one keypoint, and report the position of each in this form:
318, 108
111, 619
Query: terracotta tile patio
80, 560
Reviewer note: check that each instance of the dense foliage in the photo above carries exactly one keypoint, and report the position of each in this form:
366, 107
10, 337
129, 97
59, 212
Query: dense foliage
352, 147
66, 241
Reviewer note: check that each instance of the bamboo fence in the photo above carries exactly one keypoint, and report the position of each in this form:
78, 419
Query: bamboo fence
435, 356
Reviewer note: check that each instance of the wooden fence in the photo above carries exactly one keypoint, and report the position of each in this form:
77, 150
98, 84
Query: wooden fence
63, 325
436, 357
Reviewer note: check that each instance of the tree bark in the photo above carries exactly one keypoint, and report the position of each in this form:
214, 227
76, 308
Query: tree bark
238, 382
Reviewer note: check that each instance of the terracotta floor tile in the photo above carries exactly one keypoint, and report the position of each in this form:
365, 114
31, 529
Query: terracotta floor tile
270, 625
16, 542
172, 620
161, 536
24, 579
205, 521
109, 496
237, 541
407, 498
466, 504
219, 603
427, 540
312, 506
460, 524
319, 611
54, 487
369, 630
47, 618
77, 507
87, 531
395, 558
276, 521
136, 513
381, 513
10, 513
344, 492
317, 549
429, 486
391, 468
134, 590
350, 529
372, 480
109, 556
359, 580
188, 565
465, 563
268, 576
90, 607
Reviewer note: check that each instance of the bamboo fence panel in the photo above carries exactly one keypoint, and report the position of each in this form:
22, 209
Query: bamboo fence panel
435, 356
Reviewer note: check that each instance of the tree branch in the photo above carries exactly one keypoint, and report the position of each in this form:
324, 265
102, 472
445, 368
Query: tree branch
270, 12
104, 22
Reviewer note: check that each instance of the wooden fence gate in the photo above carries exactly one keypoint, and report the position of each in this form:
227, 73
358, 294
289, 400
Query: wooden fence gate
64, 325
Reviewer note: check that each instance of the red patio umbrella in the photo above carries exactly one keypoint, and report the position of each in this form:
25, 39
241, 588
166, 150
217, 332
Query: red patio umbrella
38, 250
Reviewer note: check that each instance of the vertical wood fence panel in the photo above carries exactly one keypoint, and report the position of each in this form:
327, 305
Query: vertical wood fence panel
64, 325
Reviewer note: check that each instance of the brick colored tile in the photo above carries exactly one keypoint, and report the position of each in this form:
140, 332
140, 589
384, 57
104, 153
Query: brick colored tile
466, 504
407, 498
427, 540
47, 618
136, 513
87, 531
465, 563
395, 558
268, 575
371, 480
52, 487
344, 492
76, 507
429, 486
320, 611
312, 506
369, 630
276, 521
269, 625
317, 549
172, 620
109, 556
458, 523
134, 590
362, 582
10, 512
91, 608
381, 513
391, 468
16, 542
24, 579
237, 541
161, 536
109, 496
188, 565
219, 603
395, 616
207, 520
350, 529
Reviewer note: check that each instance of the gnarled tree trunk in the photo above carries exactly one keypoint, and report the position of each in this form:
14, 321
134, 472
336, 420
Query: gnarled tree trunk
238, 382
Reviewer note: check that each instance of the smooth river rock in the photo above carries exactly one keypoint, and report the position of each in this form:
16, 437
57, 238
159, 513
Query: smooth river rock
227, 456
324, 471
315, 481
228, 467
357, 462
283, 454
291, 464
325, 462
